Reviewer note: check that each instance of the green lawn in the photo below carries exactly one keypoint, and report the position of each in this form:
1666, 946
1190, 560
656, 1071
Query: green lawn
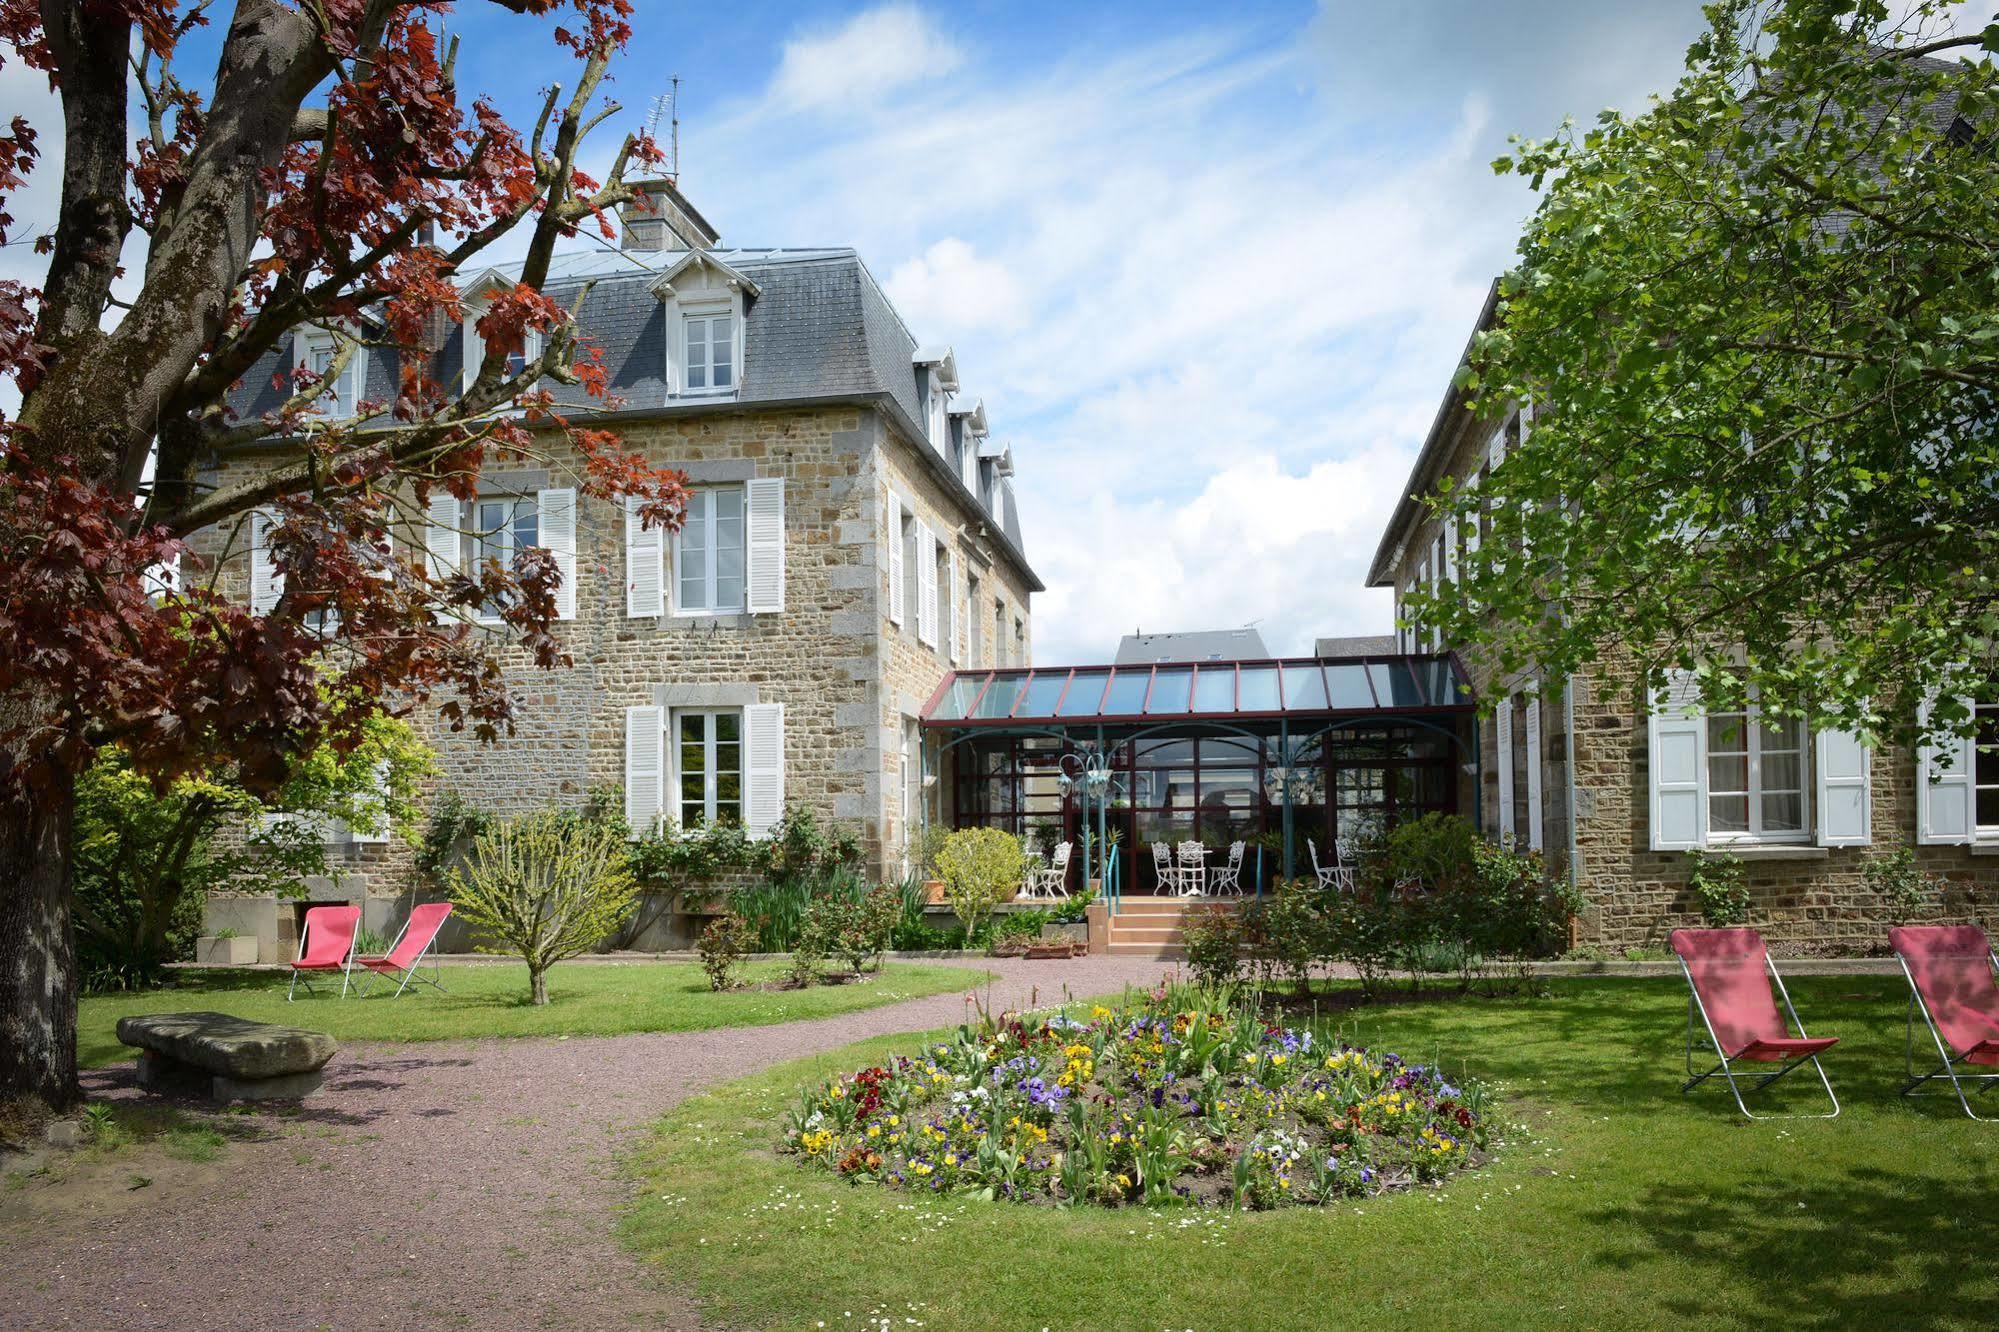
585, 999
1615, 1201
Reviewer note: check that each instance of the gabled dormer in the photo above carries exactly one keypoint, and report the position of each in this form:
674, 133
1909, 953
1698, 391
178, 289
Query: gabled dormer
968, 436
474, 296
706, 302
936, 381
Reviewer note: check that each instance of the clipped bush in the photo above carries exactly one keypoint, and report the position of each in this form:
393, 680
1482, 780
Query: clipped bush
981, 868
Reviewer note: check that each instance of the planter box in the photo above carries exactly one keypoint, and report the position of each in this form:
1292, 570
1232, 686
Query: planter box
238, 951
1050, 949
1075, 929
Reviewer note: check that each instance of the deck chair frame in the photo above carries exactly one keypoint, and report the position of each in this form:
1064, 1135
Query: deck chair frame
304, 974
1948, 1063
1725, 1068
412, 972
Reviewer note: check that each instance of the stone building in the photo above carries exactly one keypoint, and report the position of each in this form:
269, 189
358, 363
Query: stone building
1618, 794
853, 535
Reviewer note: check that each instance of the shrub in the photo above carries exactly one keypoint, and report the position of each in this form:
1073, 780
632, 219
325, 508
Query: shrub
1213, 938
1903, 887
858, 930
722, 946
1715, 879
981, 868
545, 887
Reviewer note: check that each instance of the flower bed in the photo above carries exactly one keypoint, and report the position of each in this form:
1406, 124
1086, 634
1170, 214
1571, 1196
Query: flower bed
1174, 1097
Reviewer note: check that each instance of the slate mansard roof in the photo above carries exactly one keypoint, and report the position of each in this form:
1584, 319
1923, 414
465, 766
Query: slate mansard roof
819, 329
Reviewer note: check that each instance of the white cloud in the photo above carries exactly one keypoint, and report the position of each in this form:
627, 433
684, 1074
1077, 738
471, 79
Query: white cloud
950, 285
870, 55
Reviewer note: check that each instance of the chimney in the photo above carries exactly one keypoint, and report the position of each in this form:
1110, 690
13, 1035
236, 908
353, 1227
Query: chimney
662, 219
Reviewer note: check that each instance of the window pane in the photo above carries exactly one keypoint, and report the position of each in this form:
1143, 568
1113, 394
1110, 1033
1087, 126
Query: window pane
1726, 734
1000, 696
527, 524
1777, 733
1988, 808
1042, 691
728, 727
1987, 765
1783, 813
1783, 772
1169, 691
1304, 687
1727, 773
1163, 753
1728, 814
1349, 686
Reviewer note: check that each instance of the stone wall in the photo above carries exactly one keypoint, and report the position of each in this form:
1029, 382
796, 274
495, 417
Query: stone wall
847, 677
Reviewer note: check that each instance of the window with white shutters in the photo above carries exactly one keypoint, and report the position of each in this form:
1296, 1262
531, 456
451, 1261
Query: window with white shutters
1756, 776
710, 552
709, 345
707, 756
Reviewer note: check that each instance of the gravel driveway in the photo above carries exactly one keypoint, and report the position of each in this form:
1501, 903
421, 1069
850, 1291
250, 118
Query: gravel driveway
438, 1184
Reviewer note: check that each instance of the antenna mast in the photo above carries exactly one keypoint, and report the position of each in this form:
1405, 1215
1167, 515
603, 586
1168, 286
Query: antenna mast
667, 105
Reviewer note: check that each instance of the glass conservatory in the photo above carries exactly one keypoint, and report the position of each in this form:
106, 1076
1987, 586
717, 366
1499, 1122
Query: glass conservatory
1285, 756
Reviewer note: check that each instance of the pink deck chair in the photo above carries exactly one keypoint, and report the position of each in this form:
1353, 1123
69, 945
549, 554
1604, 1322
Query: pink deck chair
325, 943
418, 938
1733, 987
1950, 971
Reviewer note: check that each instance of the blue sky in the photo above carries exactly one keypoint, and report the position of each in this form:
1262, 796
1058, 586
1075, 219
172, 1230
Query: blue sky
1209, 267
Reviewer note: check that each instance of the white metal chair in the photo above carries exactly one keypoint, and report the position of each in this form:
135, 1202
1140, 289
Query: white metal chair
1336, 875
1193, 869
1228, 877
1052, 880
1164, 869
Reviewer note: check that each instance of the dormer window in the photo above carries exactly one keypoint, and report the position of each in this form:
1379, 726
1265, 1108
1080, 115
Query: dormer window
936, 381
707, 307
317, 351
710, 343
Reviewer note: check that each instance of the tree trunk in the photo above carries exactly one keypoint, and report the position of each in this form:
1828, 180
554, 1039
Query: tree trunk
537, 985
37, 953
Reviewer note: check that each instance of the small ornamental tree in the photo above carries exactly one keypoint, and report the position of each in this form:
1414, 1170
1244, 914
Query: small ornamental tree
1757, 329
331, 172
544, 887
981, 868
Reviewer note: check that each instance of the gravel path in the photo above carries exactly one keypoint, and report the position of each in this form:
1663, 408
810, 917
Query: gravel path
438, 1184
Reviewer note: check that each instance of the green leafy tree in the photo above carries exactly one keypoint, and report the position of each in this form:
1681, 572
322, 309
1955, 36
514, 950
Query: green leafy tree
1758, 329
543, 888
146, 858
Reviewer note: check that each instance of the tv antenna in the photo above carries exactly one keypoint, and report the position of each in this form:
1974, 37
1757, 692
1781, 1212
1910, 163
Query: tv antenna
666, 106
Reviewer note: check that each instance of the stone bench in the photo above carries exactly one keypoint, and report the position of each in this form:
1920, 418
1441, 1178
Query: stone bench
226, 1058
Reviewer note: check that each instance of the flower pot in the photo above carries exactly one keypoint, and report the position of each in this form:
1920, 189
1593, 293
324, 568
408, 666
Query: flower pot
235, 951
933, 891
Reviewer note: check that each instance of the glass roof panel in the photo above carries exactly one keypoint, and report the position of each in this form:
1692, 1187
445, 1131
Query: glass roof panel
958, 697
1043, 688
1195, 690
1258, 685
1000, 695
1214, 689
1395, 685
1349, 687
1169, 690
1086, 694
1126, 695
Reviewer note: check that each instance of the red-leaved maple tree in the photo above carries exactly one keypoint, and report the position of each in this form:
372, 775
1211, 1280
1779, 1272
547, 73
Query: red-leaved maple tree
329, 173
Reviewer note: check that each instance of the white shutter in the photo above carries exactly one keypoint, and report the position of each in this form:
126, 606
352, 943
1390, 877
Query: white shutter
1495, 450
645, 767
763, 767
443, 536
1843, 789
1471, 518
926, 585
764, 587
1502, 718
1451, 549
1534, 837
379, 833
1943, 787
645, 564
958, 610
267, 581
558, 536
1677, 764
895, 559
